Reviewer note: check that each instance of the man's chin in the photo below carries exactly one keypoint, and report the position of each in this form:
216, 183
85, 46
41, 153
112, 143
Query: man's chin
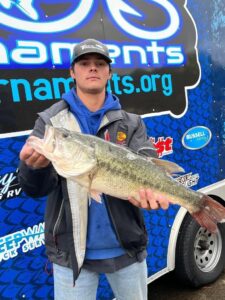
94, 91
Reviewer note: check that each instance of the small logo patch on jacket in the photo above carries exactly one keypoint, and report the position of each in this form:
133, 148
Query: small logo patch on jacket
121, 138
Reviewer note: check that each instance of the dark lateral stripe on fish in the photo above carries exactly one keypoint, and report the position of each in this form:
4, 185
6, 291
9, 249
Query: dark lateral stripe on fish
109, 166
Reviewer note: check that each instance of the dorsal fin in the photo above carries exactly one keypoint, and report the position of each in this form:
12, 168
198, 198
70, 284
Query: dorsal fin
168, 166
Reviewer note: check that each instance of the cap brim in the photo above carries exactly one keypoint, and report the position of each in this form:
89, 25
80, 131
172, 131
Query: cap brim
92, 52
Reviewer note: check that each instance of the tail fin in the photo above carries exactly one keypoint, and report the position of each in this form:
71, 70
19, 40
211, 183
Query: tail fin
211, 213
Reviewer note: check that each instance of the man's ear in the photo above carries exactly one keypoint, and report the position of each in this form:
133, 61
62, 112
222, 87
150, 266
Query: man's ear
110, 74
72, 74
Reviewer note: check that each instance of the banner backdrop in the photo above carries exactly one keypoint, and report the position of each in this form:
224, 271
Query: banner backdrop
152, 45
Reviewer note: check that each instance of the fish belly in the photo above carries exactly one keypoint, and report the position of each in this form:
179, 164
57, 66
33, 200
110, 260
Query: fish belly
113, 184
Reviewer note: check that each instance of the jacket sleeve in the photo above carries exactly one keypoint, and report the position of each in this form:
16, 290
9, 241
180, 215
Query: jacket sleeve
140, 141
37, 182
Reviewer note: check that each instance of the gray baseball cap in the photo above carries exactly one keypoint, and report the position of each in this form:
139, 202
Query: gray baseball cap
90, 46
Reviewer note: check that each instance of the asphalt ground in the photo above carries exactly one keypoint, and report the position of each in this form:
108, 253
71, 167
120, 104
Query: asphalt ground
168, 288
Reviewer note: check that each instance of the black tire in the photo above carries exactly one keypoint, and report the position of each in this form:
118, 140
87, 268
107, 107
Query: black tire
200, 255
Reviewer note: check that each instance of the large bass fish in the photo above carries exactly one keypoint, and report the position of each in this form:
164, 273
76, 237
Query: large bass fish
104, 167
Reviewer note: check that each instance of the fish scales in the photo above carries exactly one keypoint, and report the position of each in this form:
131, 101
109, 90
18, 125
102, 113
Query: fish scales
127, 172
103, 167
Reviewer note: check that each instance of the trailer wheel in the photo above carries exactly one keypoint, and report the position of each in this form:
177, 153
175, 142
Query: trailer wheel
200, 255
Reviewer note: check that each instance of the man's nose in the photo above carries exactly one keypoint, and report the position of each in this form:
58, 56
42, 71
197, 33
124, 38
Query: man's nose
93, 67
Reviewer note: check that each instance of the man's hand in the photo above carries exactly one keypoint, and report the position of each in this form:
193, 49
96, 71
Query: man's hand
149, 200
32, 158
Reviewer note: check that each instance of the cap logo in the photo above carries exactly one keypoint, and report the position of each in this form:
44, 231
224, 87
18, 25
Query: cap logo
92, 47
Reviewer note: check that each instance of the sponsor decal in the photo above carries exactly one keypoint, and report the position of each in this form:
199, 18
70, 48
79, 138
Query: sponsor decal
188, 180
196, 137
121, 137
9, 186
25, 239
164, 146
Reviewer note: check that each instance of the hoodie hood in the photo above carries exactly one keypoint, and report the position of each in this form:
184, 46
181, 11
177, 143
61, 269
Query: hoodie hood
90, 121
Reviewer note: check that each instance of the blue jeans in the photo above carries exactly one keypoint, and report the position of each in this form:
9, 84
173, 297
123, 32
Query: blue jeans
129, 283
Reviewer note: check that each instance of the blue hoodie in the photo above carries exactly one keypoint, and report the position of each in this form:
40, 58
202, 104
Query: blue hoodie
102, 242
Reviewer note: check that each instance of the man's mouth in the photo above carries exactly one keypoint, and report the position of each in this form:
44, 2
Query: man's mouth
93, 78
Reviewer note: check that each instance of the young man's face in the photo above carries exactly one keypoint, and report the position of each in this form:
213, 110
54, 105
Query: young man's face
91, 73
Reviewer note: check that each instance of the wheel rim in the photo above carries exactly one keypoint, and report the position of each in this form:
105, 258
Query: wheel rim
207, 249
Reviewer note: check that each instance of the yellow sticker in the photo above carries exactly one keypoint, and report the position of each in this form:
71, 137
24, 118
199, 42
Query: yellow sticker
121, 136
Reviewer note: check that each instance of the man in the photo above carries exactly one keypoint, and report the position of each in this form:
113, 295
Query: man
116, 236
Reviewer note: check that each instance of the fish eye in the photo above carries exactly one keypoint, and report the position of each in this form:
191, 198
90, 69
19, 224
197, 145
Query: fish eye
65, 135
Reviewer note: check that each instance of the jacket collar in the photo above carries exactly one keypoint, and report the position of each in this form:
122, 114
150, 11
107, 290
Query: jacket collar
110, 117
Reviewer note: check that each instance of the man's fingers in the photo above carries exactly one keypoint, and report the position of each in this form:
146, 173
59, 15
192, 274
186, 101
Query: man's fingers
32, 158
37, 161
41, 162
26, 152
143, 200
133, 201
148, 199
163, 201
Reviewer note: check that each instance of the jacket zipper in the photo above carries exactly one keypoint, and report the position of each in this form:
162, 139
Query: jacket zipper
57, 223
115, 228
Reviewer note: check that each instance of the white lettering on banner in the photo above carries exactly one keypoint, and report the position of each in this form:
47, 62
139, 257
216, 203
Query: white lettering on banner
34, 52
117, 7
9, 186
37, 52
26, 239
4, 59
72, 20
56, 48
195, 135
13, 193
29, 52
5, 182
44, 89
188, 180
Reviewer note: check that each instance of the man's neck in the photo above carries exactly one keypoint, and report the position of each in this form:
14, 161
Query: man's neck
92, 101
